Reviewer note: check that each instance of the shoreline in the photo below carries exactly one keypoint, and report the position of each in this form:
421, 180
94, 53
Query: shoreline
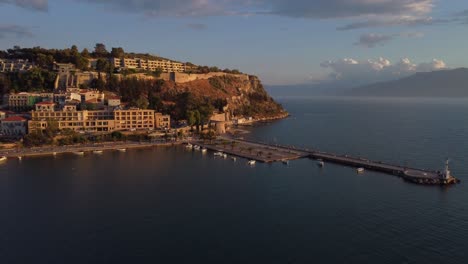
54, 150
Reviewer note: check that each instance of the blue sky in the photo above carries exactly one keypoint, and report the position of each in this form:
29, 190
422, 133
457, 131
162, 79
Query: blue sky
282, 41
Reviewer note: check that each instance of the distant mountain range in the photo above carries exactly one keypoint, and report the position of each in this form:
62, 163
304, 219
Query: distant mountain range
445, 83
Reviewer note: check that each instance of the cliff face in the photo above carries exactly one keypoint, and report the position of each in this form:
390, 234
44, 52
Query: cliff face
244, 95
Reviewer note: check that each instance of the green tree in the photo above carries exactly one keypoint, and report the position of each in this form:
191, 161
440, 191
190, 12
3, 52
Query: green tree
102, 65
198, 121
142, 102
85, 53
117, 52
100, 51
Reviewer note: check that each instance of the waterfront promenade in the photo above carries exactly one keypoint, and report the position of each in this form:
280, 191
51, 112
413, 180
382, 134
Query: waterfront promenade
55, 150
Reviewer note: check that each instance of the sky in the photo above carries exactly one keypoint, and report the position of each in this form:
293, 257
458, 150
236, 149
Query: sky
284, 42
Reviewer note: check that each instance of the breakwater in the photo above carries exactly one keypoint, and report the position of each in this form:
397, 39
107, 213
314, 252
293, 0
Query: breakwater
268, 153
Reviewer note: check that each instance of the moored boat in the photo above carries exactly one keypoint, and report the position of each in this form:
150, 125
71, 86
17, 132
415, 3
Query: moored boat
204, 150
251, 162
320, 163
196, 147
98, 152
219, 154
360, 170
3, 159
79, 153
122, 149
189, 146
285, 162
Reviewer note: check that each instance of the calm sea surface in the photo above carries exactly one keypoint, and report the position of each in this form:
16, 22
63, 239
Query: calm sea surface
170, 205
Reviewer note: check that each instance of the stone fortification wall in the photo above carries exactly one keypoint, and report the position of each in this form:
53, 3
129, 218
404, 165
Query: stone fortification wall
187, 77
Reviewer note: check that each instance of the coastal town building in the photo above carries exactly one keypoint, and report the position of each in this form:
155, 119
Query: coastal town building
162, 121
15, 65
113, 101
64, 68
96, 121
134, 119
26, 101
14, 126
149, 65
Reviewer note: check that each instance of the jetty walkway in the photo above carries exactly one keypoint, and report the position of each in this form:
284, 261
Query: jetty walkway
268, 153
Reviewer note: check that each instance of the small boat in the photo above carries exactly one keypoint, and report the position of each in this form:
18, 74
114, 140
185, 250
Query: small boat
360, 170
79, 153
234, 158
54, 153
20, 158
3, 159
285, 162
189, 146
196, 147
251, 162
225, 156
219, 154
320, 164
98, 152
204, 150
122, 150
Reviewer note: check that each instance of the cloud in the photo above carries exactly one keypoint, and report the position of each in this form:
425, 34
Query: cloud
197, 26
356, 13
159, 8
367, 71
461, 17
350, 9
372, 40
393, 21
39, 5
14, 30
317, 9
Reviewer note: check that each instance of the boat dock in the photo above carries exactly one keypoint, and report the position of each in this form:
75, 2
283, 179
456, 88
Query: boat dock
268, 153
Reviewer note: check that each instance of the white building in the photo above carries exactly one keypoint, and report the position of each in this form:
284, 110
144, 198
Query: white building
15, 65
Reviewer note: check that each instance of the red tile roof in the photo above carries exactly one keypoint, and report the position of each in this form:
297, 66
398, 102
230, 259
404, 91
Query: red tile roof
14, 119
45, 103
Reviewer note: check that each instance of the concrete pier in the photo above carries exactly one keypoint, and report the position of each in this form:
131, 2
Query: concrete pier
264, 152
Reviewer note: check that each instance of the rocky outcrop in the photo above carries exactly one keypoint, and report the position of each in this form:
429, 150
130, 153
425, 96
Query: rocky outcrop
244, 94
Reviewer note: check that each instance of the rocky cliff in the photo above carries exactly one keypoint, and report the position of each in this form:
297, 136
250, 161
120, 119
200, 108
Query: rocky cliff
241, 96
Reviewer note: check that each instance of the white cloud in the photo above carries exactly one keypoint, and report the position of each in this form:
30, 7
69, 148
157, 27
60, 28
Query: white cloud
366, 71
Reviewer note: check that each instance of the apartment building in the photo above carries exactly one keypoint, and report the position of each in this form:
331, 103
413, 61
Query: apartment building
13, 126
26, 101
94, 121
149, 65
162, 121
15, 65
134, 119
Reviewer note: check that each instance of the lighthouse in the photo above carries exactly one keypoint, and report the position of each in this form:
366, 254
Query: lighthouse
446, 174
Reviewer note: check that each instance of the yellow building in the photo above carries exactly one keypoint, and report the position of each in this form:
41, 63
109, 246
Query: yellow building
162, 121
150, 65
69, 118
96, 121
134, 119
